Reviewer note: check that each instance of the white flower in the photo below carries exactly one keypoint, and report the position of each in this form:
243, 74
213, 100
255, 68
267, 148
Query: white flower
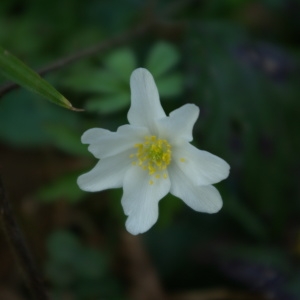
152, 156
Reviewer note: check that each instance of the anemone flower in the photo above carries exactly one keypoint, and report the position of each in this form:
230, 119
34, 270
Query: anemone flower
152, 156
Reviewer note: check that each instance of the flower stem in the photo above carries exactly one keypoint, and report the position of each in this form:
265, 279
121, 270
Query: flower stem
21, 251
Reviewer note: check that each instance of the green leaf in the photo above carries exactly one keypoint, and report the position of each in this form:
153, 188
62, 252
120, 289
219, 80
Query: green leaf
122, 62
171, 85
168, 209
64, 187
93, 80
66, 139
246, 219
32, 117
17, 71
92, 264
64, 247
59, 274
162, 58
108, 104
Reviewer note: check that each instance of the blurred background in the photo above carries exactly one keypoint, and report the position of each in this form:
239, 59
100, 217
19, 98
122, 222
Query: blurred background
239, 62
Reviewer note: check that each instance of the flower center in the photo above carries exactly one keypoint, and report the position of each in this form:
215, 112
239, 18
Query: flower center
153, 155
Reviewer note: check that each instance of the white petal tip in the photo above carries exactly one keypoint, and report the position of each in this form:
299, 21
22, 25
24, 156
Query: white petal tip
85, 185
226, 170
92, 134
193, 106
140, 71
134, 230
137, 223
215, 208
141, 77
80, 182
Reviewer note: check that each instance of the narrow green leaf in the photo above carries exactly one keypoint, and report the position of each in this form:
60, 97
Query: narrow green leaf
17, 71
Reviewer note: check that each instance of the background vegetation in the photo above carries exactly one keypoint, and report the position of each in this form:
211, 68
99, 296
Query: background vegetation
239, 62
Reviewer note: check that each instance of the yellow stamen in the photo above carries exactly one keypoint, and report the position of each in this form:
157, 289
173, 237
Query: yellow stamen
153, 155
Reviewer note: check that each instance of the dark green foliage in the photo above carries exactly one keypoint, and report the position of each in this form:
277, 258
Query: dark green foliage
74, 267
239, 62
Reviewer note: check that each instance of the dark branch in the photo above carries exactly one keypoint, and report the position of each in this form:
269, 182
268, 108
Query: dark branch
17, 241
150, 22
101, 47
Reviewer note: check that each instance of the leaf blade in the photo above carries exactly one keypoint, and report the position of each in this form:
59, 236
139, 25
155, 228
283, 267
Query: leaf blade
162, 57
15, 70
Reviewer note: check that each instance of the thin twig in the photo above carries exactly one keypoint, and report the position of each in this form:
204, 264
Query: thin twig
150, 22
103, 46
143, 279
17, 241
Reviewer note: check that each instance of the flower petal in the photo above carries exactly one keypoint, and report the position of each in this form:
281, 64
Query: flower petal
179, 125
201, 167
140, 199
104, 143
145, 106
200, 198
107, 174
92, 135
